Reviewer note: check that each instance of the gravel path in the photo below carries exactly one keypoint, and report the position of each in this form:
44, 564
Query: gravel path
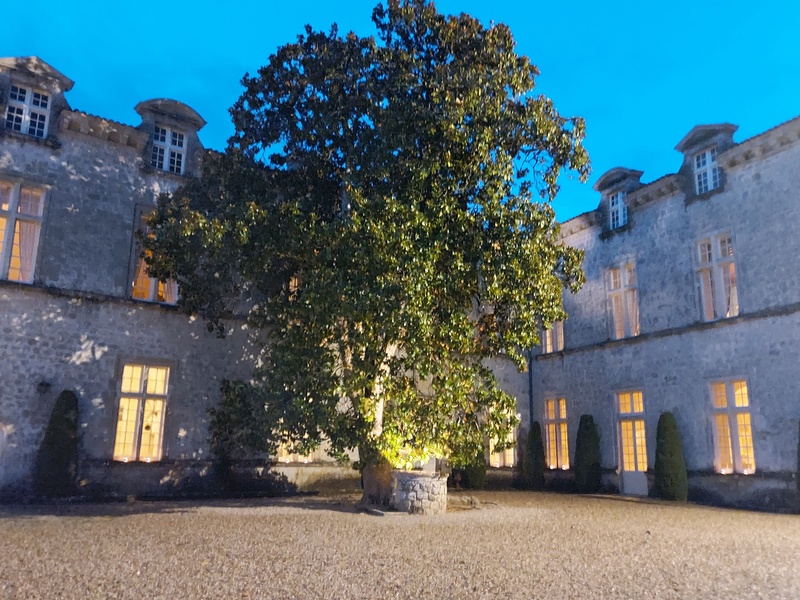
515, 545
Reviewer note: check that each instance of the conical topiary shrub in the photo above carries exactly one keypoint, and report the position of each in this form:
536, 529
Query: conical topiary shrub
473, 473
586, 465
57, 458
534, 463
671, 482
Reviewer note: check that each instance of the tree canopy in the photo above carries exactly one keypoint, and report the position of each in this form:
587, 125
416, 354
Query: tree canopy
382, 217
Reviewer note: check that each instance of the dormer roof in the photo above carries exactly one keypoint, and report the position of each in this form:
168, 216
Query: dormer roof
700, 134
172, 110
615, 176
34, 69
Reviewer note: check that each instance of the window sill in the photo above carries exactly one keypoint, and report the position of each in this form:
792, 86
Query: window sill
154, 302
49, 142
695, 197
609, 233
151, 170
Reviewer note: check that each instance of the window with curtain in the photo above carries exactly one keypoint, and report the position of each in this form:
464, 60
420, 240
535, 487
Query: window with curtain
623, 301
553, 338
555, 433
716, 273
142, 395
503, 458
733, 434
21, 209
633, 440
144, 287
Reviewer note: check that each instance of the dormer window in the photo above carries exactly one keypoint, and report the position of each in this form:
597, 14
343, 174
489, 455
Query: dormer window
706, 171
617, 211
169, 148
28, 111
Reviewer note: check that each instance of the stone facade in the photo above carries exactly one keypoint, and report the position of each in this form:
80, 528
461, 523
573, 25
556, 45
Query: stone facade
75, 187
72, 324
707, 299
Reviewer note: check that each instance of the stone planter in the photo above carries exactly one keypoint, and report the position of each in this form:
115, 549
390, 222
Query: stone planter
419, 492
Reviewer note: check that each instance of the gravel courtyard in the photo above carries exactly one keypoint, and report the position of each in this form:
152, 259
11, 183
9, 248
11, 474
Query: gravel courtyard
513, 545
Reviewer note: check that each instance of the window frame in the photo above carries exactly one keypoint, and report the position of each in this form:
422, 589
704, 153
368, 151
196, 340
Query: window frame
12, 216
552, 340
716, 270
284, 457
617, 209
623, 300
142, 396
156, 290
730, 412
25, 108
637, 420
163, 160
556, 433
706, 170
506, 458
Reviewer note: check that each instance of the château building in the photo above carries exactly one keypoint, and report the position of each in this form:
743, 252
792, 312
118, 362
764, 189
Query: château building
691, 305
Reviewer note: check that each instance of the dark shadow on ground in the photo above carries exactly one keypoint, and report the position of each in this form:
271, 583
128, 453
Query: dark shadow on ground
346, 503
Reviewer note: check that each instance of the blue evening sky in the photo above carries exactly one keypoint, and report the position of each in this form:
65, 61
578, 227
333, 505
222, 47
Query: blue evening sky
641, 73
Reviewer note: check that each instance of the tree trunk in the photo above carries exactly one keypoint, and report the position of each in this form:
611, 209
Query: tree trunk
377, 479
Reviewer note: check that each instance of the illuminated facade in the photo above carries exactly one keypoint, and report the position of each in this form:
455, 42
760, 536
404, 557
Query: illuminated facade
78, 311
691, 305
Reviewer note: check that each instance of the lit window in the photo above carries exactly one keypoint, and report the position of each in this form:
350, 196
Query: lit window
140, 423
733, 435
617, 210
285, 456
149, 288
633, 442
556, 441
169, 148
20, 223
28, 111
623, 301
295, 281
553, 338
716, 273
504, 458
706, 171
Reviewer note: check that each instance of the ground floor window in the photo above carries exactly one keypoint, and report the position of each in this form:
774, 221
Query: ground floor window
284, 455
142, 398
504, 458
733, 434
633, 442
556, 441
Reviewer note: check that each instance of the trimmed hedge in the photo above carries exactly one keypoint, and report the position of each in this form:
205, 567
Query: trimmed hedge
586, 465
534, 462
55, 470
671, 482
473, 475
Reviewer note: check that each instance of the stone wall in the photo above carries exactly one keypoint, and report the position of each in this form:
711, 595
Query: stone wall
419, 492
677, 355
53, 342
75, 327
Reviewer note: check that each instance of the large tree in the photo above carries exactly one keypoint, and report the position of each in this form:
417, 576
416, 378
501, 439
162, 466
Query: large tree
382, 216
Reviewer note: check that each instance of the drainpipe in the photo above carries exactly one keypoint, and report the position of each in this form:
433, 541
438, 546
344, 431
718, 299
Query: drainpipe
530, 387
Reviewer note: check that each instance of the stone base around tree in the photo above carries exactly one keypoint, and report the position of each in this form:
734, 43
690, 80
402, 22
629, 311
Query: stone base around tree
419, 492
